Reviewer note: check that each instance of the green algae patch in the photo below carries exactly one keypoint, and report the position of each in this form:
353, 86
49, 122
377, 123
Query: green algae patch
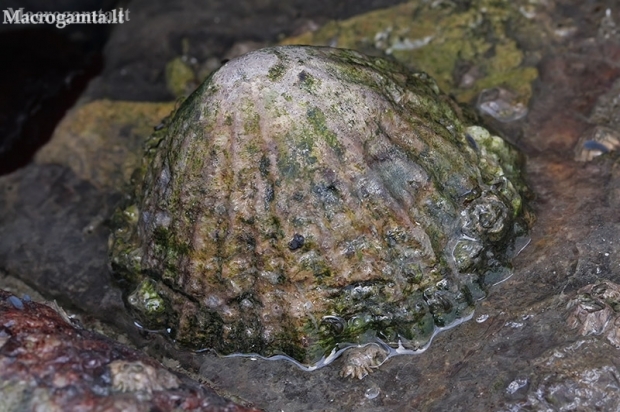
148, 300
317, 120
308, 82
334, 200
465, 48
276, 72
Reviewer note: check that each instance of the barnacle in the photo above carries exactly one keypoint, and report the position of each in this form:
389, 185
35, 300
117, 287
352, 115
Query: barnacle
137, 376
360, 361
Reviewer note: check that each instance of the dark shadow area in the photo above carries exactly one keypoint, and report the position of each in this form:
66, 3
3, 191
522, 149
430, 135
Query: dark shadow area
44, 71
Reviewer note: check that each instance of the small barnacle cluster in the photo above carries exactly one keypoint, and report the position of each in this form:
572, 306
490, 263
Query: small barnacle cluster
139, 377
360, 361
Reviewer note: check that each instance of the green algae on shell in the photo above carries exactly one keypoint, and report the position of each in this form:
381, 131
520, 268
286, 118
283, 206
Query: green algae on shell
304, 199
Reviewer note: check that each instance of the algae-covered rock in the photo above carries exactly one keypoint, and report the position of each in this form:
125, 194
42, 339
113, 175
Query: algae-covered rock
305, 199
467, 46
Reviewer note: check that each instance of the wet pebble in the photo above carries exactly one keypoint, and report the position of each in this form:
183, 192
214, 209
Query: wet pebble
501, 104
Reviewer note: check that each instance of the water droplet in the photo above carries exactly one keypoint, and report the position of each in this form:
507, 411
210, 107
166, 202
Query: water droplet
372, 393
516, 385
482, 318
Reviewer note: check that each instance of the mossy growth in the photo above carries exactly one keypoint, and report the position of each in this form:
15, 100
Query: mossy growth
180, 78
149, 303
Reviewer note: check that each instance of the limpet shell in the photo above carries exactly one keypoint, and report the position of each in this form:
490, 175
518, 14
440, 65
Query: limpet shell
305, 199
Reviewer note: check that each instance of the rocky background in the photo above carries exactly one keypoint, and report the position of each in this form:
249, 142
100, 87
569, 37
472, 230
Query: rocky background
545, 74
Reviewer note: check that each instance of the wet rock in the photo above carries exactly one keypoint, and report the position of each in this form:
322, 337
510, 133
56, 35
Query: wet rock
307, 199
564, 381
110, 135
595, 311
50, 213
49, 364
57, 208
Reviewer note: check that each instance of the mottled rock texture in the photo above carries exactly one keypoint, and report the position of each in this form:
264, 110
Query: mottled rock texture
47, 364
303, 199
